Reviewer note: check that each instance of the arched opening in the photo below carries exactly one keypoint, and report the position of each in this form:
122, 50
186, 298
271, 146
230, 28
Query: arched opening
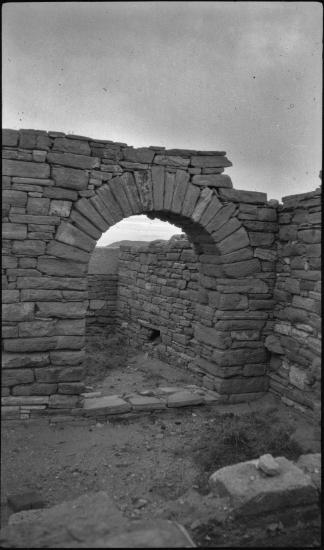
143, 296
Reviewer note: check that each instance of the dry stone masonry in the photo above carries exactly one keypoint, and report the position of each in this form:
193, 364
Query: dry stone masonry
295, 344
246, 277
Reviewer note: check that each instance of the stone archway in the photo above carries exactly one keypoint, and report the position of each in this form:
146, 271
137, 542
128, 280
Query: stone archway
84, 187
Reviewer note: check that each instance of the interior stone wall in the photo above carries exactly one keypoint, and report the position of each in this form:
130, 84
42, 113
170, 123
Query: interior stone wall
157, 287
61, 192
102, 293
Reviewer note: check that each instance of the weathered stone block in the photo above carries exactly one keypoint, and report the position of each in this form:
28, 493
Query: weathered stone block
38, 220
30, 344
252, 493
272, 343
241, 384
120, 197
221, 216
212, 180
72, 160
14, 231
233, 301
166, 160
18, 312
261, 239
143, 181
70, 342
239, 357
9, 331
68, 252
239, 195
70, 178
214, 161
267, 214
63, 401
212, 337
59, 374
235, 241
14, 198
205, 197
63, 267
88, 211
9, 262
71, 235
65, 283
158, 186
36, 328
10, 296
142, 155
34, 389
38, 205
67, 357
242, 269
79, 147
298, 377
142, 403
85, 225
10, 138
16, 376
111, 404
184, 399
60, 208
28, 247
25, 169
65, 310
18, 360
310, 235
70, 327
71, 388
60, 193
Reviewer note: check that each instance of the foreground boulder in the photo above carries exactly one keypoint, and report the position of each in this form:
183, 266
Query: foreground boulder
253, 492
90, 521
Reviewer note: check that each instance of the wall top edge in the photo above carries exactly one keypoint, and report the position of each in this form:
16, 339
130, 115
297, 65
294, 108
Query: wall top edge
103, 142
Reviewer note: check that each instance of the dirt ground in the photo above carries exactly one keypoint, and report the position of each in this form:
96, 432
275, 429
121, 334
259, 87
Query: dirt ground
149, 463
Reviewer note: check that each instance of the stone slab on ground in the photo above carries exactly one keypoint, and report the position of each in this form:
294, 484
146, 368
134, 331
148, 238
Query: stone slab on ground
90, 521
251, 492
148, 534
311, 465
184, 399
109, 404
90, 516
25, 501
141, 403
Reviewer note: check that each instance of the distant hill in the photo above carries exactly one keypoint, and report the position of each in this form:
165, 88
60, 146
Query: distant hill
117, 244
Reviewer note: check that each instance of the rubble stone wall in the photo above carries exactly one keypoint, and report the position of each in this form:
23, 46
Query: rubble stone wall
295, 344
156, 284
102, 292
61, 193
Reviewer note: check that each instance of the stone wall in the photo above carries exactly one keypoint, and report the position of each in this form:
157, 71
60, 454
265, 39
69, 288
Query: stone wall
60, 193
102, 292
296, 340
156, 283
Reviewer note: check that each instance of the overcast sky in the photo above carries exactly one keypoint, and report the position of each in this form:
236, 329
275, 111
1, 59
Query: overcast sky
244, 77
